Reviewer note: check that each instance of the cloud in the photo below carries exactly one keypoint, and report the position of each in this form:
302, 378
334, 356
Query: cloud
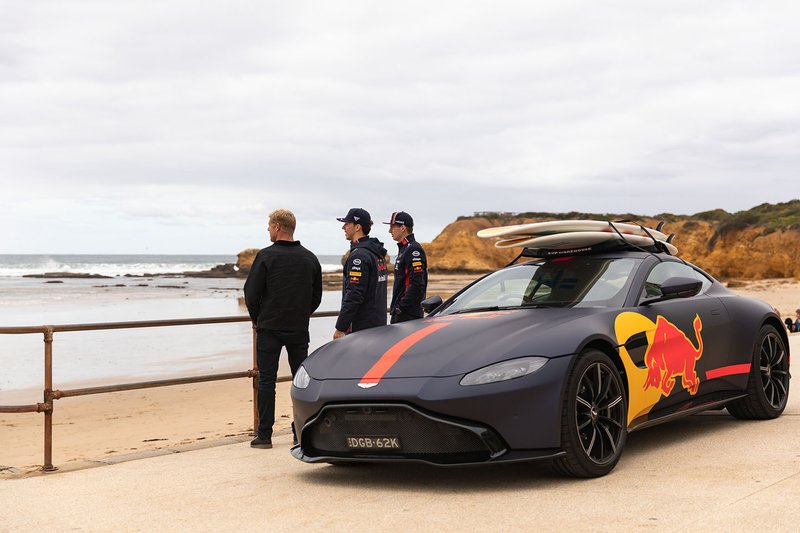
160, 116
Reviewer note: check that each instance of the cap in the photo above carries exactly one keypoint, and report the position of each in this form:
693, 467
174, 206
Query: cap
403, 218
357, 216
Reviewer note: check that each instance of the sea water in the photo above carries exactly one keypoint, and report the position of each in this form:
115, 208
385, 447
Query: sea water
117, 356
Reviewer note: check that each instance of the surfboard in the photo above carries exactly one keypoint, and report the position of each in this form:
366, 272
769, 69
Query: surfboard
578, 239
553, 227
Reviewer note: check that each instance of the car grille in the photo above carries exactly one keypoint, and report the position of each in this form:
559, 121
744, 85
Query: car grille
423, 436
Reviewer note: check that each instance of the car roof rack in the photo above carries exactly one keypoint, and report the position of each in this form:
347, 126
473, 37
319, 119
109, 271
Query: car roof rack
608, 246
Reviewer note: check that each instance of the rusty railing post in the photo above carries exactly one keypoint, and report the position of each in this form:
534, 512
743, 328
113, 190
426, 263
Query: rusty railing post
48, 400
255, 384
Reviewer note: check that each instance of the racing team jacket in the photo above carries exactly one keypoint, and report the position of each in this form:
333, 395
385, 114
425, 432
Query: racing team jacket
364, 287
283, 288
410, 278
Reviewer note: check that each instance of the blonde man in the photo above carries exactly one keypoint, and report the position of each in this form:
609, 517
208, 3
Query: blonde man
283, 289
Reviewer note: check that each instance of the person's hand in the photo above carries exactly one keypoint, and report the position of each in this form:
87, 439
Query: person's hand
337, 334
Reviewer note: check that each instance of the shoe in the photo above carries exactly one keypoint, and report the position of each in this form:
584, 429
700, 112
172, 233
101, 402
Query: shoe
294, 440
258, 442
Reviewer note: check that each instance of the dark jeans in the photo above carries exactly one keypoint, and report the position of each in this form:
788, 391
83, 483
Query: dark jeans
268, 351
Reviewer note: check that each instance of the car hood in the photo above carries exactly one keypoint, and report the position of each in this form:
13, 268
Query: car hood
449, 345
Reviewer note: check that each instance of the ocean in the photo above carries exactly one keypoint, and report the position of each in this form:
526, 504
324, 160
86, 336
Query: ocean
138, 287
125, 265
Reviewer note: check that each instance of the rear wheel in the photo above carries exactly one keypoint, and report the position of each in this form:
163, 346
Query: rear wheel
768, 384
594, 415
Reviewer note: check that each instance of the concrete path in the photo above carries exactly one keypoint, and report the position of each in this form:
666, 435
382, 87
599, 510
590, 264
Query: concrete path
709, 472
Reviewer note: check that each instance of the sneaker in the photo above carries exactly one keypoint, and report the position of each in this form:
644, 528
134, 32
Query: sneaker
258, 442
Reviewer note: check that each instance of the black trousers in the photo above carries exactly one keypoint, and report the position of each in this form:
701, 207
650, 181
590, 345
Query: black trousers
268, 351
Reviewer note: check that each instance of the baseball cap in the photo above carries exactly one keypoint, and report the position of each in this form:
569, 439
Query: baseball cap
357, 216
401, 217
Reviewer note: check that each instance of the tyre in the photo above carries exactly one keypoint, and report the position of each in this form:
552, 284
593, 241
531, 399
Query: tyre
768, 383
593, 417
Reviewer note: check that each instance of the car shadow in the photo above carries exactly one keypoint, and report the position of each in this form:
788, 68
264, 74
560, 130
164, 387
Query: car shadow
509, 476
421, 476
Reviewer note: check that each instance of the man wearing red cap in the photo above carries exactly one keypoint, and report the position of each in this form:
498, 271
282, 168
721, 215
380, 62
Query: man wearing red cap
410, 270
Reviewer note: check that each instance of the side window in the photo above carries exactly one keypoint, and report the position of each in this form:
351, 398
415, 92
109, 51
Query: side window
662, 271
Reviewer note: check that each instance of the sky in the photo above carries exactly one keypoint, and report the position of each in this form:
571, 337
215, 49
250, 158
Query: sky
176, 127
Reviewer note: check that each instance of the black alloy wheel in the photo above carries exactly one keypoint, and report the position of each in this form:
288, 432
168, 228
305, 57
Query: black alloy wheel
768, 385
594, 417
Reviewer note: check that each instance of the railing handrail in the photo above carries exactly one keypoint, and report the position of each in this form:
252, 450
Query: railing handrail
21, 330
51, 394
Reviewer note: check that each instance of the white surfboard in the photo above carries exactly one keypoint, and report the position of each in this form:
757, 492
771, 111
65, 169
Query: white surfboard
563, 226
578, 239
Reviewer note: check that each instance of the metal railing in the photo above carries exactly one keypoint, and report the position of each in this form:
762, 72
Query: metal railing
50, 394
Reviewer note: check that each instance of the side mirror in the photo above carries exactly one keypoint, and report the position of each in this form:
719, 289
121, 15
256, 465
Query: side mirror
430, 304
677, 287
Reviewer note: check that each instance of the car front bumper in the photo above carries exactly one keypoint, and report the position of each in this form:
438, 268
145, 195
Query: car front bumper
434, 420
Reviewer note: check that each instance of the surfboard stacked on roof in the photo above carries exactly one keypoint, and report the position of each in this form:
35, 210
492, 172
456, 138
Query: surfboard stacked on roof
562, 237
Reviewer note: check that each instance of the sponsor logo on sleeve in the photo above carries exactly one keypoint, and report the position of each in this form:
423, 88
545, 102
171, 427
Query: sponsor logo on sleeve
356, 261
415, 253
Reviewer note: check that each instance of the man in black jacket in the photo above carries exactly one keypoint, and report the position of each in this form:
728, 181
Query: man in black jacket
410, 270
283, 289
364, 278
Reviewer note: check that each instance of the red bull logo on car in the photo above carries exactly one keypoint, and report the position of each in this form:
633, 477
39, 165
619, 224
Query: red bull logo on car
672, 354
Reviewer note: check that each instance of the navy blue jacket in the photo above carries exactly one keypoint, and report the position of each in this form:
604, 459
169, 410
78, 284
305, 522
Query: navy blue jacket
410, 278
364, 287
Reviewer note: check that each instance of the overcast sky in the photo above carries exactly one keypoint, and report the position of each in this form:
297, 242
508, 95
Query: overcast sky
176, 127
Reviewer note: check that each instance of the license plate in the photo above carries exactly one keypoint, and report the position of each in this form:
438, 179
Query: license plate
373, 443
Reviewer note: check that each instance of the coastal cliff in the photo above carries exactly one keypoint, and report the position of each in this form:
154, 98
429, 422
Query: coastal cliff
760, 243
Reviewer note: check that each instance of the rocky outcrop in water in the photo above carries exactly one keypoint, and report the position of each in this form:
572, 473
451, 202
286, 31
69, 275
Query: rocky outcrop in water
245, 258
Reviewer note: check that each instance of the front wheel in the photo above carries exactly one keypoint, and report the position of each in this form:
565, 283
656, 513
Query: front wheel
593, 417
768, 384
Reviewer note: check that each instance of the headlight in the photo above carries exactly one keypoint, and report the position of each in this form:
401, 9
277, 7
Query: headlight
506, 370
301, 378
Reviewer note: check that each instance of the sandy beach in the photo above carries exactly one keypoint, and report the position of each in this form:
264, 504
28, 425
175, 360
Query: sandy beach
90, 430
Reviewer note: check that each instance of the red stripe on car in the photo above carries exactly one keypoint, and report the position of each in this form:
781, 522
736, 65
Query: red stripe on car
727, 371
393, 354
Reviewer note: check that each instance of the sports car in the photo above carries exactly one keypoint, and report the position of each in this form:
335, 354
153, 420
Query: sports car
555, 358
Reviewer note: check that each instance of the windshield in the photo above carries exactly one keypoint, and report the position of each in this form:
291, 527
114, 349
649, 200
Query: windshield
563, 282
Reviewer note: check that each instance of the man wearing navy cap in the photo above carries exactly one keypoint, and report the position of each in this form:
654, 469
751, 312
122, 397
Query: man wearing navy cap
364, 278
410, 270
